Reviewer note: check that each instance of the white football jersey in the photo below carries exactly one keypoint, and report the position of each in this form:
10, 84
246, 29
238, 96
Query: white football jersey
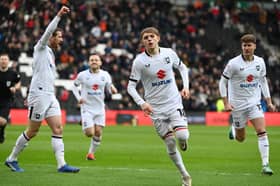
244, 87
157, 76
44, 69
93, 89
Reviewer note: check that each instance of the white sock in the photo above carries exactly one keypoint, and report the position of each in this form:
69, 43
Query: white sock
233, 131
58, 148
21, 142
264, 149
95, 142
175, 155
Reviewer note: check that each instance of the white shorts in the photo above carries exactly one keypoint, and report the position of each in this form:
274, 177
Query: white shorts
241, 117
164, 123
89, 119
41, 106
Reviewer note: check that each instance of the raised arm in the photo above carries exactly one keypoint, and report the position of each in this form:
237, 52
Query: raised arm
52, 26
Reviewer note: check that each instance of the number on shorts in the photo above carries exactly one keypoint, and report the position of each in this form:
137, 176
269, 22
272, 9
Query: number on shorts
182, 112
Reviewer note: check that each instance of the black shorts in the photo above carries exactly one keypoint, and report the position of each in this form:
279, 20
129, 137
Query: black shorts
5, 111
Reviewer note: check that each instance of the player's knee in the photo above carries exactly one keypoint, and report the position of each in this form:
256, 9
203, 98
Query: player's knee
170, 142
3, 121
58, 130
182, 134
240, 138
89, 132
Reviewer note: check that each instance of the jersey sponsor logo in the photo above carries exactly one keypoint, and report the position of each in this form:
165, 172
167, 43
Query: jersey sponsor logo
94, 93
249, 85
250, 78
95, 87
161, 74
163, 82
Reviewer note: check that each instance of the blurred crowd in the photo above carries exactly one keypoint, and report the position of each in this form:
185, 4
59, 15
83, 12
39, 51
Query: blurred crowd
204, 34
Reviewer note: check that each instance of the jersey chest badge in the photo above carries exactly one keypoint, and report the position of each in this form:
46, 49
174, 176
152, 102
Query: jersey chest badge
167, 60
8, 83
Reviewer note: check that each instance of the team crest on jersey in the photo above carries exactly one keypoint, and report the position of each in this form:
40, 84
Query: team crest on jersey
242, 68
258, 67
8, 83
147, 65
167, 60
102, 78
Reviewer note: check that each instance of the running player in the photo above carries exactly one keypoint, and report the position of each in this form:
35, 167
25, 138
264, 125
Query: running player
163, 102
241, 85
93, 83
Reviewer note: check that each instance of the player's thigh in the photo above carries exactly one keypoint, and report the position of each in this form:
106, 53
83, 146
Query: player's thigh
256, 116
4, 114
87, 120
99, 122
161, 124
37, 106
179, 124
53, 109
239, 119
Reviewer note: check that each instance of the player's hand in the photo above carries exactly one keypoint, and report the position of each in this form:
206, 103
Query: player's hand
82, 101
147, 108
185, 93
64, 10
228, 107
271, 107
25, 103
13, 90
114, 90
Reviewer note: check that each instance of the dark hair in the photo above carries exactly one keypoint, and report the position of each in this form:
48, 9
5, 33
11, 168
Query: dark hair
4, 54
149, 30
248, 38
57, 30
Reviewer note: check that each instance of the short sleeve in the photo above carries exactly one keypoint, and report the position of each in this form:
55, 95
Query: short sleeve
135, 74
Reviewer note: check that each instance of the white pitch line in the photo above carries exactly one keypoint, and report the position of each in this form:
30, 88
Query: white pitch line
98, 167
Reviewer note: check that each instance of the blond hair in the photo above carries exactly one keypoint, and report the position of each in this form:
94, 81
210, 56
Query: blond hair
149, 30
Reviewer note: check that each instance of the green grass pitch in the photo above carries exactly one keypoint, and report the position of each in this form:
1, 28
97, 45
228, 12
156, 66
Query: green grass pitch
135, 156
